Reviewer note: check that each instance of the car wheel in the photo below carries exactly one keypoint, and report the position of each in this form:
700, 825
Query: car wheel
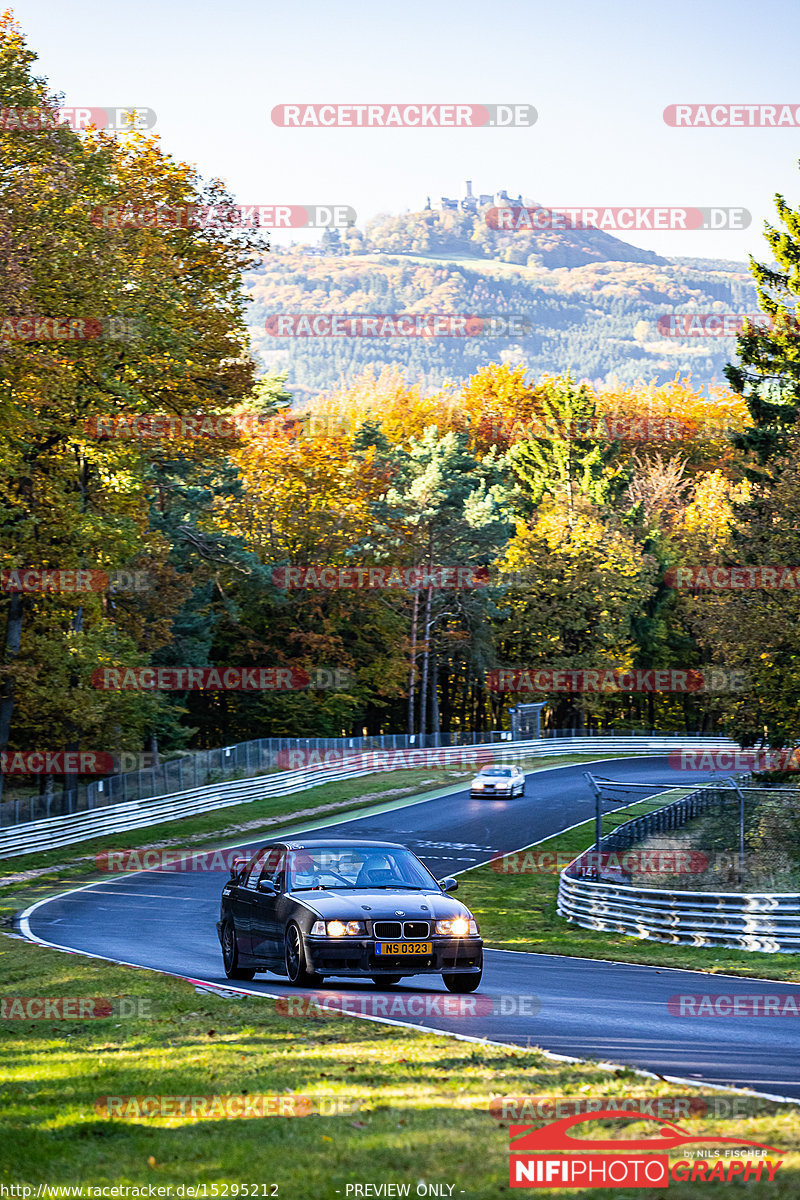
522, 790
461, 983
386, 980
295, 957
230, 955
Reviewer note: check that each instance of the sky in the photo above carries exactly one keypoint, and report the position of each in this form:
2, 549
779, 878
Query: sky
599, 76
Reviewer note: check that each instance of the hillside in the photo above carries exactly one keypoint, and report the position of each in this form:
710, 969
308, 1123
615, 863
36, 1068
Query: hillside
592, 302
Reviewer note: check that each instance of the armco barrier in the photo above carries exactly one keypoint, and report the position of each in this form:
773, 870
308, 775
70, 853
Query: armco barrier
746, 921
202, 768
138, 814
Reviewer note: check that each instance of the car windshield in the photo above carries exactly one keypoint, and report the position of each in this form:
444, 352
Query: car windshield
505, 771
349, 867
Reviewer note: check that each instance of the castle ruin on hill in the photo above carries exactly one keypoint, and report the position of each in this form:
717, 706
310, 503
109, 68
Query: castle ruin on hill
471, 203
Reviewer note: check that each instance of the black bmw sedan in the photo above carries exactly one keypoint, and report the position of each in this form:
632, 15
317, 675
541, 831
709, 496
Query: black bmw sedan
316, 908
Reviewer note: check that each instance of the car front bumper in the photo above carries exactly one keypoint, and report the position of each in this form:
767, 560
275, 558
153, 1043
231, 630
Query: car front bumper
356, 956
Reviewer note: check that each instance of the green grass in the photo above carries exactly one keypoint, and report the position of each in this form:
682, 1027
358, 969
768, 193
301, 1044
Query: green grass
518, 912
398, 1106
406, 1106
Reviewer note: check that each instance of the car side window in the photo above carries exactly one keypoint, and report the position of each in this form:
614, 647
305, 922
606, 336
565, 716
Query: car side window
274, 868
254, 874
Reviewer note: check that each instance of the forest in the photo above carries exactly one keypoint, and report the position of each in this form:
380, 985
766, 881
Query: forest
585, 302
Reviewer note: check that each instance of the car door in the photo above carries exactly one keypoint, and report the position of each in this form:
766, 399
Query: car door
265, 926
243, 900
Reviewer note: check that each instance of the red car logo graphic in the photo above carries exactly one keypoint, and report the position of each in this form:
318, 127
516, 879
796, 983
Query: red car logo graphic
528, 1139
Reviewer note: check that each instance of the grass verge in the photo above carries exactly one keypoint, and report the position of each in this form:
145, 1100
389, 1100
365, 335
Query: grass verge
389, 1106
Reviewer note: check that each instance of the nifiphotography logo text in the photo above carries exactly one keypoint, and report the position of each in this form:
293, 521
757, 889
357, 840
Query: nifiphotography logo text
559, 1155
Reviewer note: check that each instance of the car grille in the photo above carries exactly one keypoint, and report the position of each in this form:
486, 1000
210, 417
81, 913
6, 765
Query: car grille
415, 931
388, 929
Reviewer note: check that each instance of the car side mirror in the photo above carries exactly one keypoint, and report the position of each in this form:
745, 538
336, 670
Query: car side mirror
448, 885
267, 887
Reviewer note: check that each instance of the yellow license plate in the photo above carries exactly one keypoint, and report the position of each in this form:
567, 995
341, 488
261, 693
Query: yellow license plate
396, 949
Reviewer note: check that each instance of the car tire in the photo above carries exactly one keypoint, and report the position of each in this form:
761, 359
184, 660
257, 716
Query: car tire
386, 980
522, 793
230, 955
461, 983
295, 959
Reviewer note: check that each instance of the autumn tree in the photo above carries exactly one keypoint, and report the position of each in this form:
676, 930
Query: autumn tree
69, 499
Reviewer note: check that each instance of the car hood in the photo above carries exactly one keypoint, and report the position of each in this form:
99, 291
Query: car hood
374, 905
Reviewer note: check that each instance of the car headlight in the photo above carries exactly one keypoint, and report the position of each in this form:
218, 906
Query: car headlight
345, 928
478, 783
453, 927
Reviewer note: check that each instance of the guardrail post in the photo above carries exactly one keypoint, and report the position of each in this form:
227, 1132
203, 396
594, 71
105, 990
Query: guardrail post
598, 821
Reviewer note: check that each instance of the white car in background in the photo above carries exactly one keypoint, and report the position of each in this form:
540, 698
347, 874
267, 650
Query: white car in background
505, 781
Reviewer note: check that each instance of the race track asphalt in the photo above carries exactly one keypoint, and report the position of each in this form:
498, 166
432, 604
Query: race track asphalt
584, 1008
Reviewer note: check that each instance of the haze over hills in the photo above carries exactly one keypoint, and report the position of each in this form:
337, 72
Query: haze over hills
591, 301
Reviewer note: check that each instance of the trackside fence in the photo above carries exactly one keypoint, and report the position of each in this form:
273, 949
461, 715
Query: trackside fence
746, 920
67, 829
198, 768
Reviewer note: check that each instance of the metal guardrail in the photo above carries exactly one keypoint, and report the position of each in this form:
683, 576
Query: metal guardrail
68, 829
766, 921
200, 768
